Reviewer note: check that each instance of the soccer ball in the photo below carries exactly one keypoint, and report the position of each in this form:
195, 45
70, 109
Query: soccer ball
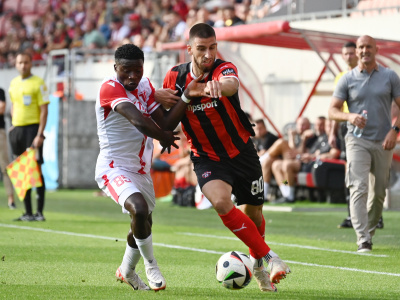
234, 270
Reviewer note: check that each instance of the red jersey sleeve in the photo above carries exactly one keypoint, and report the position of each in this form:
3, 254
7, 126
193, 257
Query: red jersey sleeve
111, 94
169, 80
226, 70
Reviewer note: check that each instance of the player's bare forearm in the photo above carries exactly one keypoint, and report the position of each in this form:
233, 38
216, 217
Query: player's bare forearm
229, 86
143, 124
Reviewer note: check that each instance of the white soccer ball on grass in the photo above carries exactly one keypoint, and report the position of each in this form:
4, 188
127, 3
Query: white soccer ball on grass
234, 270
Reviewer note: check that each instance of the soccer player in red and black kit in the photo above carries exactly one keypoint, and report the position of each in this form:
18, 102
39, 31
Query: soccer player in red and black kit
224, 157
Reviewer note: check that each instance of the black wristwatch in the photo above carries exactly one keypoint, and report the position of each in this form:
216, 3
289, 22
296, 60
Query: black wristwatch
395, 128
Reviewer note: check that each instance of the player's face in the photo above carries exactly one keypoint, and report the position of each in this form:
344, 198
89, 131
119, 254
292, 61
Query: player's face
366, 50
349, 56
23, 65
203, 52
319, 126
129, 73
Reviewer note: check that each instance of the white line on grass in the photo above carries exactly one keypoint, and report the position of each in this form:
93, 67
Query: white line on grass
286, 245
189, 248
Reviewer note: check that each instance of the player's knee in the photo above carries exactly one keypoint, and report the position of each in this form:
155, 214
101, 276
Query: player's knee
137, 207
222, 205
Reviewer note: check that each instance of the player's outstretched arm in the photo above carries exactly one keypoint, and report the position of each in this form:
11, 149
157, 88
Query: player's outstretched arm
146, 125
170, 119
227, 86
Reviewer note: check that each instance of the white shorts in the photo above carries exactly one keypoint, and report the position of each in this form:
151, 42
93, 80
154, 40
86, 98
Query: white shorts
120, 184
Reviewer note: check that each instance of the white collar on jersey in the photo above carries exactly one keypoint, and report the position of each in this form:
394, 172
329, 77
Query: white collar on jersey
194, 76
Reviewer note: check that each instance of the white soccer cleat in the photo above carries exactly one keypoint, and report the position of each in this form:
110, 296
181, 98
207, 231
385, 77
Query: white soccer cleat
154, 276
279, 269
132, 279
263, 279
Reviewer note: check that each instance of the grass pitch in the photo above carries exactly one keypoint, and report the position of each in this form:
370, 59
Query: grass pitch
74, 254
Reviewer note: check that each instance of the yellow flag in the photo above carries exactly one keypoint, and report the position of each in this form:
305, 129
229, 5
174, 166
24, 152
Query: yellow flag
24, 173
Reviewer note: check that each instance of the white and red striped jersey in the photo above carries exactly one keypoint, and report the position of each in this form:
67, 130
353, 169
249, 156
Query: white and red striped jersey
122, 145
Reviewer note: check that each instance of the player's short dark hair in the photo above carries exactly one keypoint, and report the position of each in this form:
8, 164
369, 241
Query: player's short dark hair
258, 121
128, 52
25, 53
350, 45
201, 30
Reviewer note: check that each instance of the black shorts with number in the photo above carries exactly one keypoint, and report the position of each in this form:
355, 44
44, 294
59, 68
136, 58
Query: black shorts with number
243, 173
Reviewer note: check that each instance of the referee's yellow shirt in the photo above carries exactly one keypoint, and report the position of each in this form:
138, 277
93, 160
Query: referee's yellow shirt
27, 95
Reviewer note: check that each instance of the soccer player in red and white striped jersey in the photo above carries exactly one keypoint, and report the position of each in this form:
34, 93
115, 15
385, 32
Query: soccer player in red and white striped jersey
224, 157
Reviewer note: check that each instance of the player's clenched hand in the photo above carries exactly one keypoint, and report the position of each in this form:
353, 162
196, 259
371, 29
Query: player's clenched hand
213, 89
166, 97
169, 140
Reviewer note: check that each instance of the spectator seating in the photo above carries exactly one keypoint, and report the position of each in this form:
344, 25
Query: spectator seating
327, 178
42, 6
324, 183
5, 24
28, 7
11, 5
369, 6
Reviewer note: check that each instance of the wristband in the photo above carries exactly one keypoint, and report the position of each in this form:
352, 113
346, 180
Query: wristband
185, 99
395, 128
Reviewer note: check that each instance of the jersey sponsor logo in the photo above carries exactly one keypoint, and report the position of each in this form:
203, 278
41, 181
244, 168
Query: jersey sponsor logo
112, 83
202, 106
206, 174
229, 71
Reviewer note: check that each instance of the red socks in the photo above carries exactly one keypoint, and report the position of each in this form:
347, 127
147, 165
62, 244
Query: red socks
261, 230
244, 228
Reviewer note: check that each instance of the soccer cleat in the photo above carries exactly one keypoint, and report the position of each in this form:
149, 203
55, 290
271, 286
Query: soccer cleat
278, 268
26, 217
39, 217
263, 279
133, 280
380, 224
364, 247
346, 223
12, 206
154, 276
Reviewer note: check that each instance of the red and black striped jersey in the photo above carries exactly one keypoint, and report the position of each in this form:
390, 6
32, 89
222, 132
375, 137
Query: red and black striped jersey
215, 128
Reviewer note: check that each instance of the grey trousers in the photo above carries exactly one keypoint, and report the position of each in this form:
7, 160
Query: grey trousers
4, 161
367, 178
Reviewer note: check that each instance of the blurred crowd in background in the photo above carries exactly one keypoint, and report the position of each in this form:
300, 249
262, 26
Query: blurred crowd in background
39, 26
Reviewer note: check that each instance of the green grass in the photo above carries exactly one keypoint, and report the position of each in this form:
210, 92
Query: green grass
48, 263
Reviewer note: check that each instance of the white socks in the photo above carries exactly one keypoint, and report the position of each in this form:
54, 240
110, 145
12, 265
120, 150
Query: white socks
284, 190
146, 249
266, 186
130, 259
